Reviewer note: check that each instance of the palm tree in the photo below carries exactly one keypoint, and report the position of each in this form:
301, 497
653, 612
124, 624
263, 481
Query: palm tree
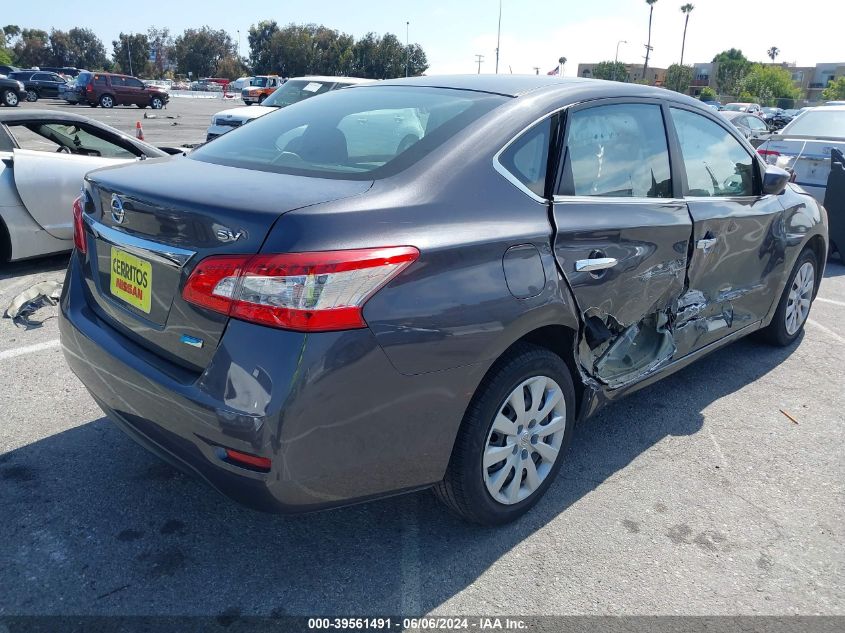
685, 9
773, 52
650, 4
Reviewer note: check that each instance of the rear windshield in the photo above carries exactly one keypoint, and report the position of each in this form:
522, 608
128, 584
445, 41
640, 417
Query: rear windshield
82, 79
356, 133
297, 90
818, 123
735, 107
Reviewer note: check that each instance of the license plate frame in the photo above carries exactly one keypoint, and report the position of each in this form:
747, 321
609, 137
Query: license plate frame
131, 279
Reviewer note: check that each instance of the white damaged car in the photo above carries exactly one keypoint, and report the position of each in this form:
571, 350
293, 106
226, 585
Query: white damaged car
290, 92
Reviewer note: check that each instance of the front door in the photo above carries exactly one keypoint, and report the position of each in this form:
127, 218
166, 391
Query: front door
738, 242
622, 236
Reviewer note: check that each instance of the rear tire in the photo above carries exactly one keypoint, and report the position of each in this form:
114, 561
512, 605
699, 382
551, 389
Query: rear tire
795, 302
10, 98
31, 96
496, 443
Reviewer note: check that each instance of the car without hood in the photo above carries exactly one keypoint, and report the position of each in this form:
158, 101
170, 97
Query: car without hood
306, 315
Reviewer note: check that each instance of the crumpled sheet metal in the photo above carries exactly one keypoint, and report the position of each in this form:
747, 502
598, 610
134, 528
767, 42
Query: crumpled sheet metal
30, 300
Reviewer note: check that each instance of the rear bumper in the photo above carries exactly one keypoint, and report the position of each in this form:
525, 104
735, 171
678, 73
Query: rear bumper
339, 423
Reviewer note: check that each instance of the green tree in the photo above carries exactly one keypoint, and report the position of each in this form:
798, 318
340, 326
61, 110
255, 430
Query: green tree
708, 94
131, 53
686, 9
835, 90
200, 51
650, 4
733, 67
10, 32
161, 43
614, 71
32, 48
767, 84
230, 67
5, 56
679, 78
259, 37
773, 52
88, 49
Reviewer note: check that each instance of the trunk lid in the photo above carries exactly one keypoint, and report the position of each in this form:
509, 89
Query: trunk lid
808, 158
149, 224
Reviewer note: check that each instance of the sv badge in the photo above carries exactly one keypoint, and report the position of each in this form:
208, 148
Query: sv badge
227, 235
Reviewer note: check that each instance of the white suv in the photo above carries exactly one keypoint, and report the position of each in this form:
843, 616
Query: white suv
293, 90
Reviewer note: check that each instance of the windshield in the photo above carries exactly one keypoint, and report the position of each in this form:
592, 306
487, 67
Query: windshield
818, 123
355, 134
296, 90
258, 82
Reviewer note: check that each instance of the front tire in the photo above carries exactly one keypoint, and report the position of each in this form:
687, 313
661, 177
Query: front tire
795, 302
10, 98
512, 439
156, 103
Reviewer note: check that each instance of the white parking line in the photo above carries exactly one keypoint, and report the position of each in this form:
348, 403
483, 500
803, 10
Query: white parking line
831, 301
29, 349
828, 331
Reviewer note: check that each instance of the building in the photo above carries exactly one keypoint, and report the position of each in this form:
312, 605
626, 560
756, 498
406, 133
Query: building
633, 73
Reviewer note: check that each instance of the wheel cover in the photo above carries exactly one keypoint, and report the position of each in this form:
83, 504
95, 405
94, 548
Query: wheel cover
107, 102
525, 440
11, 99
800, 297
31, 95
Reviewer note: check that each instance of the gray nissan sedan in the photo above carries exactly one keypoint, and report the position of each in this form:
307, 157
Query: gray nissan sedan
321, 307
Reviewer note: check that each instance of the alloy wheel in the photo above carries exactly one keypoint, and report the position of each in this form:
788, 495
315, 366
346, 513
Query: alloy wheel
524, 440
31, 95
11, 99
800, 297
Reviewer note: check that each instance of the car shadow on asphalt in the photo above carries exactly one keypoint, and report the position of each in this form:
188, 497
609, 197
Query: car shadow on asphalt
834, 268
51, 264
95, 519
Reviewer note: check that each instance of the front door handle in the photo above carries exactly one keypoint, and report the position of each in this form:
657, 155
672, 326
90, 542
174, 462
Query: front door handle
706, 244
594, 263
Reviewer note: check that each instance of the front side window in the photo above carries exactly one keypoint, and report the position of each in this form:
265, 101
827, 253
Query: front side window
715, 162
131, 82
68, 138
527, 157
357, 134
618, 151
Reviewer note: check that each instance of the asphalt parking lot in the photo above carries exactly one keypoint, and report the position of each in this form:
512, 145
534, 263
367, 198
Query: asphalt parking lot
718, 491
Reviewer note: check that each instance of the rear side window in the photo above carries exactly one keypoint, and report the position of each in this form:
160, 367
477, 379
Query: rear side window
528, 156
100, 80
715, 162
618, 151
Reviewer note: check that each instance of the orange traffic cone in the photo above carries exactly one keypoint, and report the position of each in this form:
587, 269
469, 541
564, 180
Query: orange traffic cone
139, 131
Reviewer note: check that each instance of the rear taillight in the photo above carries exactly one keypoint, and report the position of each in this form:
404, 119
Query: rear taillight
309, 292
770, 156
79, 240
89, 88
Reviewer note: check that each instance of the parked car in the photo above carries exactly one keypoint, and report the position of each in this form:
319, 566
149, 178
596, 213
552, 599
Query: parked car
5, 69
109, 89
68, 92
753, 127
12, 92
834, 103
161, 84
751, 108
812, 147
306, 322
292, 91
39, 84
239, 84
43, 158
775, 118
259, 88
716, 105
68, 71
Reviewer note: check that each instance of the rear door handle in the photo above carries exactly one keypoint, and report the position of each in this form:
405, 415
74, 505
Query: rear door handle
595, 263
706, 244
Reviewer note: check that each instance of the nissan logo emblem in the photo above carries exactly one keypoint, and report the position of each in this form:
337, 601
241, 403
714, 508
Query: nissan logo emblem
117, 212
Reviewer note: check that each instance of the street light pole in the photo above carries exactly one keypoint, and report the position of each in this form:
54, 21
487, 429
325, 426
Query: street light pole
479, 59
616, 59
499, 37
407, 48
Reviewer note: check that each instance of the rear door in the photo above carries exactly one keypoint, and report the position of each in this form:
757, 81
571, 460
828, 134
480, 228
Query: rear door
737, 258
622, 236
48, 177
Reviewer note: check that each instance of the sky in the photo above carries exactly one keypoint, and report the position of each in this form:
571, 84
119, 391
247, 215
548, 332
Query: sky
535, 33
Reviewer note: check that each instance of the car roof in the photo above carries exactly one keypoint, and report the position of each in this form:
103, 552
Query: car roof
557, 89
730, 114
353, 80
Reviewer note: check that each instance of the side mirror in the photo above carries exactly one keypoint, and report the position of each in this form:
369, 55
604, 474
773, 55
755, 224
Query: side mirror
775, 180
